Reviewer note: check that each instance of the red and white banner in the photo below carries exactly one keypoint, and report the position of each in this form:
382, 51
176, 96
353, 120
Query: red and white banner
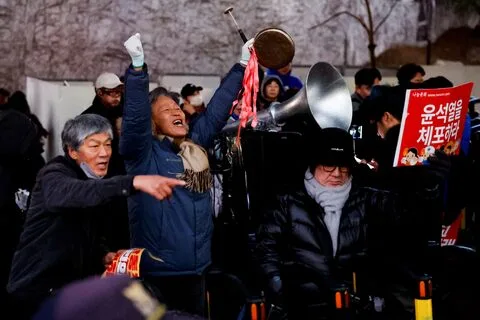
125, 262
432, 119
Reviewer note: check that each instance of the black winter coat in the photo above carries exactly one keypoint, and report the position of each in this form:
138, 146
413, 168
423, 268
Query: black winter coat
61, 242
294, 243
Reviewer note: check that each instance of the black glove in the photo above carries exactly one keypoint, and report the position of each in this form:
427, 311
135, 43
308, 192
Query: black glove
440, 165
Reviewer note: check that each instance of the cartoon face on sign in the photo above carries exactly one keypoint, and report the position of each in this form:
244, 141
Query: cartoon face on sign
410, 157
426, 153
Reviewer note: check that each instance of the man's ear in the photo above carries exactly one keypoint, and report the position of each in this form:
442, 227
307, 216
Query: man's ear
98, 92
392, 118
389, 117
72, 153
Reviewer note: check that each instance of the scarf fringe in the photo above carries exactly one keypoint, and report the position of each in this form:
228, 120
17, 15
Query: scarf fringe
197, 181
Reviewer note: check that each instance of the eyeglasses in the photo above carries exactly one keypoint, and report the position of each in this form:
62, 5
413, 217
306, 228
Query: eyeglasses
332, 168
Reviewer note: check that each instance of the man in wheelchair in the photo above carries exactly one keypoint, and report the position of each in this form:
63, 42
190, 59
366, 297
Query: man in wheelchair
313, 239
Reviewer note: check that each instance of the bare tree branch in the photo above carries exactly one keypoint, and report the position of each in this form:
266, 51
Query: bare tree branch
386, 16
370, 18
335, 15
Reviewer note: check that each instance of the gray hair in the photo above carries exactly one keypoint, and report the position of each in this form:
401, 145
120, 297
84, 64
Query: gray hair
76, 130
156, 93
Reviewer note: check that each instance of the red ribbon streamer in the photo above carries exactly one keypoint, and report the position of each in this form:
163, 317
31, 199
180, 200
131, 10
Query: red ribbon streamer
248, 94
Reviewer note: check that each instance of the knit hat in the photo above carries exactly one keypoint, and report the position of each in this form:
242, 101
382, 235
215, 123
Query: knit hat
114, 298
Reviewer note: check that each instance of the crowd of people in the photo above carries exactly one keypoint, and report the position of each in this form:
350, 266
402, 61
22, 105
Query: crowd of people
136, 173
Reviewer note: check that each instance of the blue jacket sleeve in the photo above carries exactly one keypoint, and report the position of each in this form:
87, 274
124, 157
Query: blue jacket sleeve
209, 123
136, 136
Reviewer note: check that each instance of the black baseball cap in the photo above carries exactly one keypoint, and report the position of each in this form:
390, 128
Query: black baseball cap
189, 89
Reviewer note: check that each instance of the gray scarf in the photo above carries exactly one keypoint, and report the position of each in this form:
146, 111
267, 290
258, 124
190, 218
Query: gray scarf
332, 200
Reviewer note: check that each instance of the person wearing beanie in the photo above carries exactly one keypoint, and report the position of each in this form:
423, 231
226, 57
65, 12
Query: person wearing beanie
110, 298
315, 237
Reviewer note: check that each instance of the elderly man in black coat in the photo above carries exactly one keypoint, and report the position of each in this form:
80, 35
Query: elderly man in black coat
61, 241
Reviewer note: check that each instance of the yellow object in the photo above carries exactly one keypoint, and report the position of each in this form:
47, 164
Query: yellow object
423, 309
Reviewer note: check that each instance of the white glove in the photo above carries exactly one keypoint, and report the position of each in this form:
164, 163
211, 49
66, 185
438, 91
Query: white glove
246, 52
135, 50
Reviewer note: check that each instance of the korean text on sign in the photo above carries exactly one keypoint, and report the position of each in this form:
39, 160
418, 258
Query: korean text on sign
432, 119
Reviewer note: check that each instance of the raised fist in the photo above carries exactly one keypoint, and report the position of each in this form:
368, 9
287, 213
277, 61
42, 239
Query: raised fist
135, 50
246, 52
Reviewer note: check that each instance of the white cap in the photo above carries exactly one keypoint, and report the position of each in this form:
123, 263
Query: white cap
108, 80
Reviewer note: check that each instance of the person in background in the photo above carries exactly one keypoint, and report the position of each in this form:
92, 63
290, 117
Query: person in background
156, 139
271, 90
18, 144
410, 73
192, 101
108, 97
61, 241
365, 79
290, 82
18, 101
4, 95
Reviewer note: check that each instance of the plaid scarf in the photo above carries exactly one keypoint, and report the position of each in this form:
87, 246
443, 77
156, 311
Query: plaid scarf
195, 163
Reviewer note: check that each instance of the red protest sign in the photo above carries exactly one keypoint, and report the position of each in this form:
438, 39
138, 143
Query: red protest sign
432, 119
